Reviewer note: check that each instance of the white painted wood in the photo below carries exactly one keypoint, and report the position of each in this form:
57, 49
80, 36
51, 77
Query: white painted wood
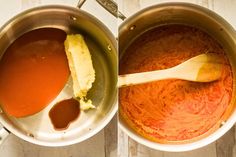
110, 133
122, 144
226, 9
225, 146
15, 147
8, 10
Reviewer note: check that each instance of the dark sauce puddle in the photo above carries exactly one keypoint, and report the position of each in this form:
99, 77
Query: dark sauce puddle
63, 113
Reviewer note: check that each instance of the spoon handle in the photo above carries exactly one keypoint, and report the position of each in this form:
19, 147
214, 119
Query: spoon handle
144, 77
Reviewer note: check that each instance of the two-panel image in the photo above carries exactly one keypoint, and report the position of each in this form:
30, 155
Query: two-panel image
124, 78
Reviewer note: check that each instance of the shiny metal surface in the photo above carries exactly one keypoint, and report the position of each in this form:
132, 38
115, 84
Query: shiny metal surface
3, 134
112, 7
188, 14
102, 44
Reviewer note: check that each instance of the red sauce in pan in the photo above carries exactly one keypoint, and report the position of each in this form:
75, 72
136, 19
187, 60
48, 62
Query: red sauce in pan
172, 110
63, 113
33, 70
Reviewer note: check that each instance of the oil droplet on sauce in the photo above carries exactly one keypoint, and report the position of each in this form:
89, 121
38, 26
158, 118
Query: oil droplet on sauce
33, 71
63, 113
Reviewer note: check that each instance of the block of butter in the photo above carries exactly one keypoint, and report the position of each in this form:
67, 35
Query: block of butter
81, 67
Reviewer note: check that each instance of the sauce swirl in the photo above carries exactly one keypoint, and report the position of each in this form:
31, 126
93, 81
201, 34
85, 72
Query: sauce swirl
172, 110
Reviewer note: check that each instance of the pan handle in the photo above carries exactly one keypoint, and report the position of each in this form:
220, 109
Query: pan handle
3, 134
109, 5
80, 3
112, 7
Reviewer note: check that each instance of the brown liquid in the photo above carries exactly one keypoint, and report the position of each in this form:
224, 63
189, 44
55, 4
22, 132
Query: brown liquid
63, 113
33, 71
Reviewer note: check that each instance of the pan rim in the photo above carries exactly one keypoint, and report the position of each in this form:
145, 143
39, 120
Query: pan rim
216, 133
114, 107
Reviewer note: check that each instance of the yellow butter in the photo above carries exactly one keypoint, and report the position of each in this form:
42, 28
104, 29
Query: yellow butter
81, 67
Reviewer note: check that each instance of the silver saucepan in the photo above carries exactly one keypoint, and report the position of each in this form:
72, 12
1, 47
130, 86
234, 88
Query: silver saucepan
37, 128
188, 14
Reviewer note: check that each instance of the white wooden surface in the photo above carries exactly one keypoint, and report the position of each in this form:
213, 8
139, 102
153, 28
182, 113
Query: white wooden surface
104, 144
225, 146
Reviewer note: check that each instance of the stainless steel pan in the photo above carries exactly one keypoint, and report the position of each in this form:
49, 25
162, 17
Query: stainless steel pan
188, 14
38, 129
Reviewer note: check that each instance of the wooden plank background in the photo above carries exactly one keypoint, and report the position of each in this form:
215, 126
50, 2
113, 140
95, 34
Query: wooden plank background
225, 146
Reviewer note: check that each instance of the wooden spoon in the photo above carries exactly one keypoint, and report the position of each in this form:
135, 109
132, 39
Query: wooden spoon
202, 68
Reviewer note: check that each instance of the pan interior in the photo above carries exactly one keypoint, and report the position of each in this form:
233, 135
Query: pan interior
38, 128
183, 14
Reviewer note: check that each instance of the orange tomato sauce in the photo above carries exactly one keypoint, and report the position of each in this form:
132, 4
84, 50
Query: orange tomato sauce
172, 110
33, 71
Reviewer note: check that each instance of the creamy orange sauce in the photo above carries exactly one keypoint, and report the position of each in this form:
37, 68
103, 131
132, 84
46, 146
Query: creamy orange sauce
172, 110
33, 70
